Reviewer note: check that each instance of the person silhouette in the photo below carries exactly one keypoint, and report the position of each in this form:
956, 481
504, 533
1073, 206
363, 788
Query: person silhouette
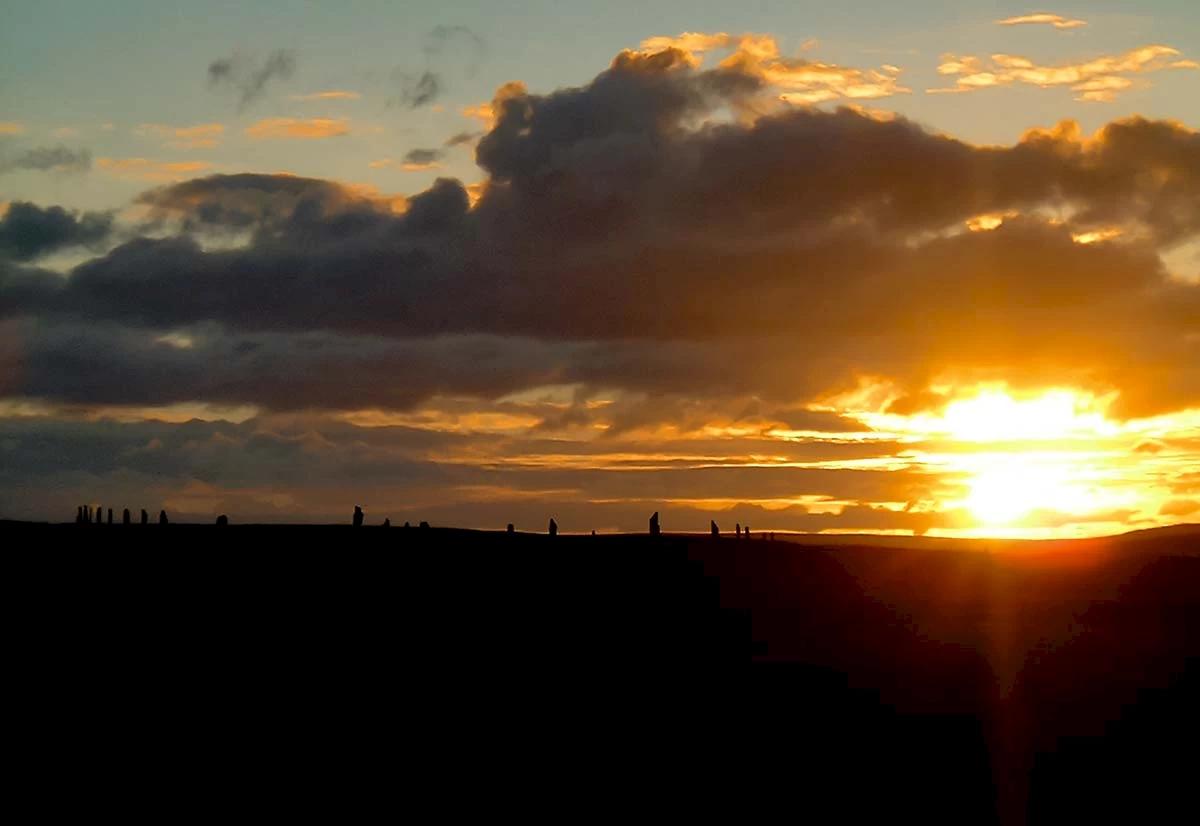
162, 517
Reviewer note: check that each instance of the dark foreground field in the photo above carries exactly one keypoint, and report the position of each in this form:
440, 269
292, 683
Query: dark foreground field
332, 672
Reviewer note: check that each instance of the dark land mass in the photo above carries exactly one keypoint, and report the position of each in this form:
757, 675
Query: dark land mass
341, 672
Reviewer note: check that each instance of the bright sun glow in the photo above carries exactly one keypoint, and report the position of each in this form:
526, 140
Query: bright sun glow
1008, 488
996, 416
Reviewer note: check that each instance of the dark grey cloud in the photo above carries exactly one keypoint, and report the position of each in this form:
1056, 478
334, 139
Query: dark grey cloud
48, 159
785, 257
463, 139
423, 156
248, 77
28, 231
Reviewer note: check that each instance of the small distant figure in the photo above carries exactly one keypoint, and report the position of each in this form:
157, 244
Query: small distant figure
125, 517
747, 531
424, 526
110, 516
358, 516
145, 517
712, 524
222, 520
407, 525
654, 529
553, 527
510, 527
387, 523
593, 531
79, 515
737, 529
162, 517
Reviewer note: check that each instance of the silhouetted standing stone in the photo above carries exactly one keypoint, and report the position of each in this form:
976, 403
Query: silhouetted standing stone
747, 531
358, 516
125, 517
162, 517
510, 527
110, 516
712, 524
387, 523
407, 525
145, 517
99, 516
654, 530
222, 520
424, 525
737, 529
593, 531
553, 528
79, 515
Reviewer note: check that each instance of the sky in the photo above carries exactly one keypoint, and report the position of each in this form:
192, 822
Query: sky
926, 268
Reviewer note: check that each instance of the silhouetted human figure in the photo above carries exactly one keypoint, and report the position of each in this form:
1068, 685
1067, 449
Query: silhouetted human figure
387, 523
222, 520
125, 517
510, 527
553, 528
162, 517
424, 525
737, 529
654, 530
145, 517
110, 516
358, 516
712, 524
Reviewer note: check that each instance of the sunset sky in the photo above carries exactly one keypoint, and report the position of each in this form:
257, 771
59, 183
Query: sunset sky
924, 267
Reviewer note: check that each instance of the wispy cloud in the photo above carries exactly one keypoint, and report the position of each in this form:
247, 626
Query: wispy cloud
250, 80
415, 160
332, 94
49, 159
1099, 79
145, 169
1055, 20
200, 136
297, 128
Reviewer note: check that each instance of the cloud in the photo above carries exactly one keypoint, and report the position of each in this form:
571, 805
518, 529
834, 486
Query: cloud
27, 231
145, 169
463, 139
248, 78
1055, 20
298, 128
63, 132
691, 257
329, 95
423, 156
200, 136
1096, 80
1180, 507
797, 80
49, 159
418, 90
10, 128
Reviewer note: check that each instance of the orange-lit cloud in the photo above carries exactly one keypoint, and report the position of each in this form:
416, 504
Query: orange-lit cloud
63, 132
798, 80
1055, 20
200, 136
486, 112
333, 94
297, 128
1099, 79
144, 169
10, 128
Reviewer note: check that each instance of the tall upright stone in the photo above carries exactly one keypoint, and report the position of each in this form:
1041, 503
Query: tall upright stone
110, 516
125, 517
654, 528
553, 527
145, 517
737, 529
162, 517
79, 515
358, 516
712, 526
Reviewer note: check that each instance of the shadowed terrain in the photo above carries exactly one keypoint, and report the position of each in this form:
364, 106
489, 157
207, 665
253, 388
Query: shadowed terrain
672, 675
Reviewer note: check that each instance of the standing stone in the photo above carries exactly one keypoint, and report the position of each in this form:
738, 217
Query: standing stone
593, 531
387, 523
737, 529
162, 517
99, 516
145, 517
358, 516
424, 525
222, 520
712, 525
654, 529
407, 525
510, 527
110, 516
747, 531
125, 517
79, 515
553, 527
